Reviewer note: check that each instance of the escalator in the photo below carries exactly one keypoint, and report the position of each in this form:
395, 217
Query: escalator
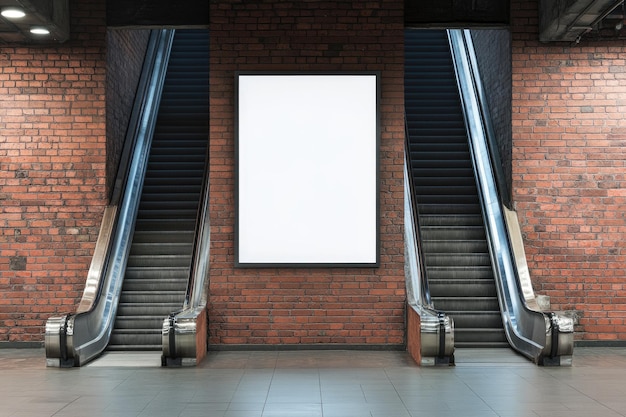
468, 245
157, 270
146, 288
454, 244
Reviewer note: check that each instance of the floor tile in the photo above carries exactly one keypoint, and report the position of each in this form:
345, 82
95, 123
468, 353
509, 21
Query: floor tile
484, 383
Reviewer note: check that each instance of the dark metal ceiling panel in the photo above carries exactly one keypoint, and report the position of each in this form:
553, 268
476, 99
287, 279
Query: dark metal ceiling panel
456, 13
158, 13
568, 20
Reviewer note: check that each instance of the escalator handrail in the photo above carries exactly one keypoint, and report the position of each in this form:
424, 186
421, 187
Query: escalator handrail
196, 295
525, 328
84, 335
422, 297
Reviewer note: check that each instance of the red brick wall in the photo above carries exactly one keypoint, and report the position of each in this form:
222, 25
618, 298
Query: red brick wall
569, 175
52, 182
291, 305
569, 134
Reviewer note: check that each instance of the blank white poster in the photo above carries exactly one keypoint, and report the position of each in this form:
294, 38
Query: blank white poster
307, 169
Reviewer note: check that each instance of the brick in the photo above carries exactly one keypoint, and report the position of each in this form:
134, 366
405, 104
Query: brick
307, 306
36, 130
560, 206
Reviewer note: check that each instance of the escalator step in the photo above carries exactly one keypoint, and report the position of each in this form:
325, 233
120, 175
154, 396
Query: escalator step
188, 213
152, 297
477, 319
160, 261
154, 236
467, 287
166, 225
150, 284
479, 338
458, 303
138, 322
161, 248
447, 233
458, 259
452, 272
143, 309
458, 246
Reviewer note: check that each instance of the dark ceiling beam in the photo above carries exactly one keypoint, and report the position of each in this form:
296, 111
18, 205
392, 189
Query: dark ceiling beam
569, 20
456, 13
158, 13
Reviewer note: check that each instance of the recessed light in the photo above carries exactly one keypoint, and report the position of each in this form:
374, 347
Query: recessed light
12, 12
39, 30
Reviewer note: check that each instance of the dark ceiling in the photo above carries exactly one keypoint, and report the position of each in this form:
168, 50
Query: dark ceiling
158, 13
570, 20
560, 20
51, 15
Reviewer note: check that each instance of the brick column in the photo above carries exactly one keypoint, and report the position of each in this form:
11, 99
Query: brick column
344, 306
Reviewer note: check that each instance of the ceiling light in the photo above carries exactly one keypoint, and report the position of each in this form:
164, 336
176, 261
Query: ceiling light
39, 30
12, 12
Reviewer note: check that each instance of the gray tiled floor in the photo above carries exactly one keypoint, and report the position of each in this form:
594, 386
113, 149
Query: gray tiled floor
484, 383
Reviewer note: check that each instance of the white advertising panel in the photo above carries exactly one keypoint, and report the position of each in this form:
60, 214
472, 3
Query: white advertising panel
307, 169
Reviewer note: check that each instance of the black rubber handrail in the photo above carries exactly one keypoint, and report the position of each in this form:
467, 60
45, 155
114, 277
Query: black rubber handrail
424, 289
